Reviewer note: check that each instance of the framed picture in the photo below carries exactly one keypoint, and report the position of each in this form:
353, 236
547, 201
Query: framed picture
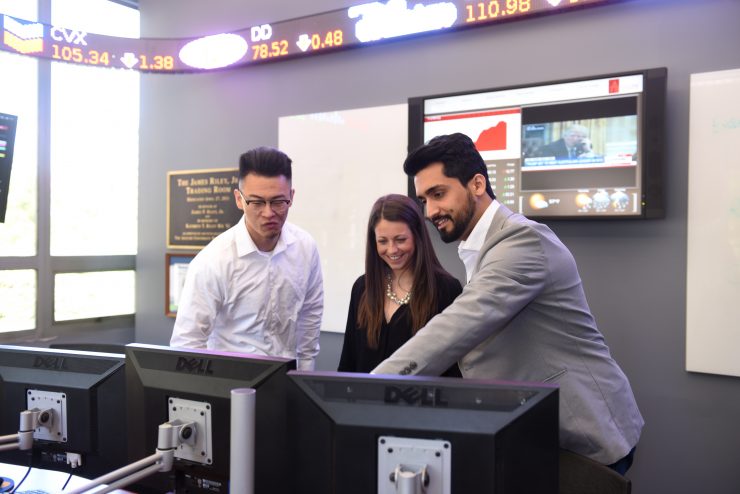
176, 268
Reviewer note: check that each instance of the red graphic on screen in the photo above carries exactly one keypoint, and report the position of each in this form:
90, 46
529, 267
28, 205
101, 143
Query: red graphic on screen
492, 139
613, 86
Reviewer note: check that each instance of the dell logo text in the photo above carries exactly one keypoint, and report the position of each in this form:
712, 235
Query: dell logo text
428, 397
55, 363
194, 365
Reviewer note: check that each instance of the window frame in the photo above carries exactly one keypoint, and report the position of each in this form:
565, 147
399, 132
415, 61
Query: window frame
48, 266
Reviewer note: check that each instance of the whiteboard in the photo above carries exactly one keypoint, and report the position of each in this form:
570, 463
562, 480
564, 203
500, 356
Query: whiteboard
713, 269
342, 162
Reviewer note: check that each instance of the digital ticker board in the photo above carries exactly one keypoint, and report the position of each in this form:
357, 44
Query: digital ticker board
351, 27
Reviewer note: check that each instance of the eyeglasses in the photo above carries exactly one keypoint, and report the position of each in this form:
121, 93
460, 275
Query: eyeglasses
257, 205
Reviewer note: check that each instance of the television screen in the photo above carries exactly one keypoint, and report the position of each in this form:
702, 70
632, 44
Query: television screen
580, 148
84, 397
8, 124
369, 434
162, 381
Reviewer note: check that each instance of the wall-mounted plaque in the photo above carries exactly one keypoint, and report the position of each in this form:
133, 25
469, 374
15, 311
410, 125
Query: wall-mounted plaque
200, 205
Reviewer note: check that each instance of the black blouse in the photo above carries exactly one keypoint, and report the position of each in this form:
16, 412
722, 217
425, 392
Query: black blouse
357, 356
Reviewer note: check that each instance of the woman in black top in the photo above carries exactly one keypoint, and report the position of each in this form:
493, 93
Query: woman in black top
403, 287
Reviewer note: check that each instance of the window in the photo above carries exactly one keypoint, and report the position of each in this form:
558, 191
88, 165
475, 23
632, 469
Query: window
94, 153
91, 295
17, 300
68, 246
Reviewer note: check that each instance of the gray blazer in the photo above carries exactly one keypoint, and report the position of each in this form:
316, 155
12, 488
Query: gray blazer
523, 316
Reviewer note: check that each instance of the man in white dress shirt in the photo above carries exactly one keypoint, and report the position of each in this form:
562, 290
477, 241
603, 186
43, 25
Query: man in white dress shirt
257, 287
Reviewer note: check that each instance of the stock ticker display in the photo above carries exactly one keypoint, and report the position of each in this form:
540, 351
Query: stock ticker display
339, 29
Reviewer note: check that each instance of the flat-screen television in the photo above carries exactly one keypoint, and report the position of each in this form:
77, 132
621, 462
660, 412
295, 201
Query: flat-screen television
161, 381
8, 125
358, 433
590, 147
84, 397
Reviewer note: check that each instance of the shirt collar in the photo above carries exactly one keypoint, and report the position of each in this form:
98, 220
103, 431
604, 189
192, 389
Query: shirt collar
245, 245
478, 235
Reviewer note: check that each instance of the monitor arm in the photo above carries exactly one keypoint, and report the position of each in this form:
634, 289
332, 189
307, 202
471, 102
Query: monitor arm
410, 479
29, 420
408, 465
170, 436
178, 431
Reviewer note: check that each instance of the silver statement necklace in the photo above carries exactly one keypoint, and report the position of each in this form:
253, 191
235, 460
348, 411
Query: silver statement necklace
391, 295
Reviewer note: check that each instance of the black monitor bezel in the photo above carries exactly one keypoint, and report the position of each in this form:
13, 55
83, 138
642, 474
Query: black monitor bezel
6, 162
652, 138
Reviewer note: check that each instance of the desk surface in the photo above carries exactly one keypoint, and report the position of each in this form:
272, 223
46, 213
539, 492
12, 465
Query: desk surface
43, 480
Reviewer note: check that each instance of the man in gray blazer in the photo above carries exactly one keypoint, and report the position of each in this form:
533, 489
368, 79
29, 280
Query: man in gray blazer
523, 314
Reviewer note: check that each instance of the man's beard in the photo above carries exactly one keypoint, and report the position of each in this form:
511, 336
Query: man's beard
460, 223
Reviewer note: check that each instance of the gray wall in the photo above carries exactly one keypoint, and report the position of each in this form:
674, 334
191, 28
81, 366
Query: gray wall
634, 272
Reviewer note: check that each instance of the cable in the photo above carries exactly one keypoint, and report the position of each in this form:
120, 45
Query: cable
19, 483
67, 482
30, 466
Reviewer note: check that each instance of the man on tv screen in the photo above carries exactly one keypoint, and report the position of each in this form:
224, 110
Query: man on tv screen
573, 144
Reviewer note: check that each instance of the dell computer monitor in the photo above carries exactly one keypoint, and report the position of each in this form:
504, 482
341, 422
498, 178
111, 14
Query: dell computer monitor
163, 382
84, 395
587, 148
352, 432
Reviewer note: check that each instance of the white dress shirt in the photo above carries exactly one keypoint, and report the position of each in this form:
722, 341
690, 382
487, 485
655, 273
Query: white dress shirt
468, 250
239, 299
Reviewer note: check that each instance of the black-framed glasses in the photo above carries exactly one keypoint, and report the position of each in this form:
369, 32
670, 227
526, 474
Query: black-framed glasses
257, 205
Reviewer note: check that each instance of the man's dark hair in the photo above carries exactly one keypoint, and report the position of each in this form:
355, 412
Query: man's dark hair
265, 161
458, 155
